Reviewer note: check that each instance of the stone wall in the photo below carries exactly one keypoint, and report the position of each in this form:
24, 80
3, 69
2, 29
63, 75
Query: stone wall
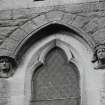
88, 16
14, 4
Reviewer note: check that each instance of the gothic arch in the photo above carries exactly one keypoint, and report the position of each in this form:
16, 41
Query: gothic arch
72, 52
61, 26
14, 44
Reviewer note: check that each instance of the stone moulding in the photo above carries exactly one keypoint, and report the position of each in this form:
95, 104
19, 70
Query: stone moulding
16, 42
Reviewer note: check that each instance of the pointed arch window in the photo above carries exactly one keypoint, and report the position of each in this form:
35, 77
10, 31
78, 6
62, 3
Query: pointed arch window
56, 82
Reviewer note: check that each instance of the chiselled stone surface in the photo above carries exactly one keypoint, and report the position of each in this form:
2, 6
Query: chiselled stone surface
9, 44
54, 15
23, 13
102, 92
92, 26
4, 92
40, 20
4, 89
18, 35
4, 101
68, 18
101, 22
101, 6
5, 14
96, 22
5, 52
28, 27
1, 41
80, 21
6, 32
99, 36
41, 10
7, 23
83, 7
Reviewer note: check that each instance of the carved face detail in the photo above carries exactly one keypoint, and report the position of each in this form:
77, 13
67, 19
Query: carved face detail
5, 68
101, 53
4, 64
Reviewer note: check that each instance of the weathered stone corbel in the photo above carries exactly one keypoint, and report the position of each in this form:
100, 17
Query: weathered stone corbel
7, 66
99, 56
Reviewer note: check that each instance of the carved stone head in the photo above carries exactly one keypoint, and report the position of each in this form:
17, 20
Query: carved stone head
6, 67
99, 55
100, 51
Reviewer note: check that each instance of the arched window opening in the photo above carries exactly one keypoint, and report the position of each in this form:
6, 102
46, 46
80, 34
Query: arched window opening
56, 82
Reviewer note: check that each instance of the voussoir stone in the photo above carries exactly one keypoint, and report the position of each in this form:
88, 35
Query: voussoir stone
18, 34
9, 44
6, 31
92, 26
54, 15
68, 18
80, 21
40, 20
28, 27
99, 36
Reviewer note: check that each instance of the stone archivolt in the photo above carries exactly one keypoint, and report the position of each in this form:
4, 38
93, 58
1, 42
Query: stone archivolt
20, 24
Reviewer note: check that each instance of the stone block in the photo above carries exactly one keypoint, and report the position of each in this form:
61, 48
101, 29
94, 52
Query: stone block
74, 8
6, 31
9, 44
7, 23
92, 26
93, 7
54, 15
82, 7
102, 93
18, 35
4, 101
101, 6
101, 13
5, 14
38, 10
99, 36
80, 21
29, 27
68, 18
40, 20
23, 13
4, 89
1, 41
5, 52
101, 22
